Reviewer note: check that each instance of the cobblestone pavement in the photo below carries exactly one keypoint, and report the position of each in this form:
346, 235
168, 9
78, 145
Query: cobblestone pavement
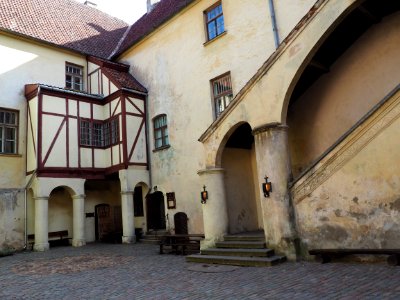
101, 271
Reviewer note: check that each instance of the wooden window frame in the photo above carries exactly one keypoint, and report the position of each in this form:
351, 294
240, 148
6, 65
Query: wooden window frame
208, 21
224, 95
108, 137
164, 133
8, 125
71, 84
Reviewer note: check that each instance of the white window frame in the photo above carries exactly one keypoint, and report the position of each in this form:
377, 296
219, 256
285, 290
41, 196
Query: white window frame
9, 120
73, 77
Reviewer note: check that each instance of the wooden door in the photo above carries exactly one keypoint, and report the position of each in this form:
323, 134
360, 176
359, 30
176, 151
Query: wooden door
181, 223
155, 211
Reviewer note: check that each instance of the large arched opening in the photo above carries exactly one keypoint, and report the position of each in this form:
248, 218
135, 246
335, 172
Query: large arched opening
240, 172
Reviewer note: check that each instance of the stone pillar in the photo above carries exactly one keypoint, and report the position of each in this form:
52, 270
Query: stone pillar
78, 238
215, 213
273, 160
41, 224
128, 218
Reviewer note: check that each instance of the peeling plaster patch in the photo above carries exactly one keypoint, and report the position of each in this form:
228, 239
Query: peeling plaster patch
391, 237
355, 200
395, 205
8, 199
333, 232
338, 213
358, 216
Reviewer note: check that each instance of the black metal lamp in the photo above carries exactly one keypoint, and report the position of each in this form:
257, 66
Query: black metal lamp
266, 187
204, 195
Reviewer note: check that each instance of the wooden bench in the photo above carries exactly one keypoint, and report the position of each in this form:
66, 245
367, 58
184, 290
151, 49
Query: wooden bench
55, 238
181, 243
326, 255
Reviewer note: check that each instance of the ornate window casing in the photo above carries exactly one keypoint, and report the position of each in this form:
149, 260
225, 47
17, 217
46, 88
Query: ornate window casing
73, 77
222, 92
99, 134
8, 131
214, 21
161, 139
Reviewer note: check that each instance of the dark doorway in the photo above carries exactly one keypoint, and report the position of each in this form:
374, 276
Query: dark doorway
181, 223
108, 223
103, 221
155, 211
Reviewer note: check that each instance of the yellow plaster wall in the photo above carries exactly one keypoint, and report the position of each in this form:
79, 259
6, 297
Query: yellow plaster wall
361, 78
177, 68
359, 205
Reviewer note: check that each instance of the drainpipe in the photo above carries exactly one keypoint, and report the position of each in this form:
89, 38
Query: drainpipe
26, 209
273, 20
148, 143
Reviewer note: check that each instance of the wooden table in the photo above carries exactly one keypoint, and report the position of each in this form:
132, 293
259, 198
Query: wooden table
181, 243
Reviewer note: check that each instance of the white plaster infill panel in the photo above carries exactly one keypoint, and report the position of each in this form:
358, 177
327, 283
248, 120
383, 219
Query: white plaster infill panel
86, 157
72, 108
98, 112
54, 135
32, 130
135, 106
116, 107
73, 143
84, 110
54, 105
349, 147
136, 139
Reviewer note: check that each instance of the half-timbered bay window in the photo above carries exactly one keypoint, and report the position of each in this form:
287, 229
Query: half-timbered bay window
222, 92
8, 131
99, 134
214, 19
161, 132
73, 77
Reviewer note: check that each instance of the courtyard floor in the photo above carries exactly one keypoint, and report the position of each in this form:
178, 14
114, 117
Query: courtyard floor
105, 271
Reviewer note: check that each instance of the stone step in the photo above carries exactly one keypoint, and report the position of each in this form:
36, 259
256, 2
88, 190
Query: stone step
150, 241
244, 238
241, 245
239, 252
236, 260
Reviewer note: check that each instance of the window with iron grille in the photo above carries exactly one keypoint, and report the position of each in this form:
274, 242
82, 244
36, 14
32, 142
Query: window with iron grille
73, 77
222, 92
160, 132
214, 18
99, 134
114, 131
8, 131
86, 133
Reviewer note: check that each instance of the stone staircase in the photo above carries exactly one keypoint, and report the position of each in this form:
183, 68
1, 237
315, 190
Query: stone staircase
239, 250
153, 237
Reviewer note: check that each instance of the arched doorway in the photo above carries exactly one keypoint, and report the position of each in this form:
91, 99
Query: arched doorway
155, 211
239, 163
60, 212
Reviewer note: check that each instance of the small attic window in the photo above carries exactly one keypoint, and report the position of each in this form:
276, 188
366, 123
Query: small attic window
73, 77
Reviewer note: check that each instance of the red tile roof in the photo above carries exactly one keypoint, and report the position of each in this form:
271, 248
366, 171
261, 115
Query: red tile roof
161, 13
64, 23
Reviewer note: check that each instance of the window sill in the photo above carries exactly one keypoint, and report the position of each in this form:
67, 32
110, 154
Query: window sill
216, 38
10, 155
162, 148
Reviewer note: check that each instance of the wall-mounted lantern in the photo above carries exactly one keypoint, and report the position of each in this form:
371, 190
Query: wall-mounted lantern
204, 195
266, 187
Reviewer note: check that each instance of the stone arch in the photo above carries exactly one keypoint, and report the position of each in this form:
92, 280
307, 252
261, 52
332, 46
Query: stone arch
221, 147
60, 209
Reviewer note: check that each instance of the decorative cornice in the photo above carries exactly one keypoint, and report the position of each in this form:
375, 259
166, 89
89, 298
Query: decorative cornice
269, 127
382, 115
